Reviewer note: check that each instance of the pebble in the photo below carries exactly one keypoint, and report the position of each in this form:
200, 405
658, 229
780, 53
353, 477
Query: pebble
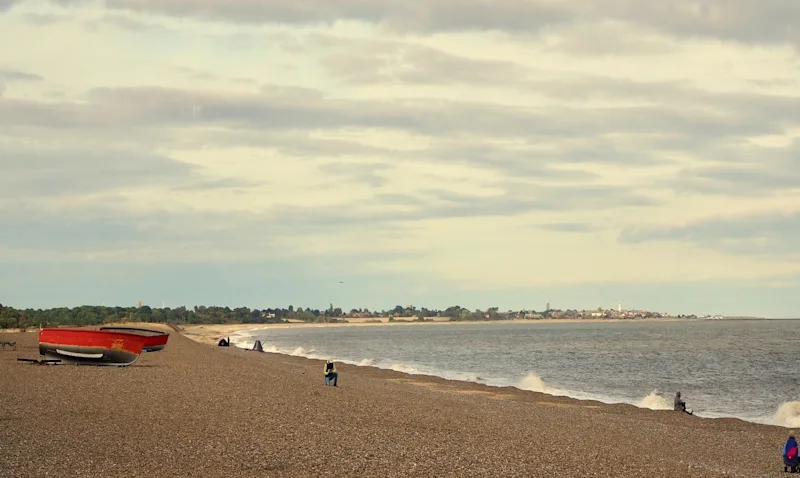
200, 410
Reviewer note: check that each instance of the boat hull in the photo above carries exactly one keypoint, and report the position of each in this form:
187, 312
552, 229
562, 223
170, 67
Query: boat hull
154, 340
90, 347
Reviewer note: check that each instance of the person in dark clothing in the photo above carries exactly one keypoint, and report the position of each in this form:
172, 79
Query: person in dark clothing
223, 342
790, 459
330, 373
680, 405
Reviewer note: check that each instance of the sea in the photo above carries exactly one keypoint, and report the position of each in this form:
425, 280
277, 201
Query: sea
747, 369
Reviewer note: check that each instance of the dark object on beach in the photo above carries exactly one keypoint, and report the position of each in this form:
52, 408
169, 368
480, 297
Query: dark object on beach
791, 462
330, 373
39, 361
90, 347
680, 405
13, 345
257, 346
223, 343
154, 341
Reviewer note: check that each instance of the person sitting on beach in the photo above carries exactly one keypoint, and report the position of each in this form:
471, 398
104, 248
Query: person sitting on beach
680, 405
223, 342
790, 459
330, 373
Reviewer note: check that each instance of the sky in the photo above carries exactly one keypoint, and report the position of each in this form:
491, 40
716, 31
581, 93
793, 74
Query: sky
430, 153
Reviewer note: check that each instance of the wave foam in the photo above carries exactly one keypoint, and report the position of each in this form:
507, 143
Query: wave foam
788, 415
534, 383
301, 352
401, 367
241, 337
246, 341
654, 401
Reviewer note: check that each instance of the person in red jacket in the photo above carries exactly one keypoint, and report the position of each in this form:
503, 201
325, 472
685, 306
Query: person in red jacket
790, 459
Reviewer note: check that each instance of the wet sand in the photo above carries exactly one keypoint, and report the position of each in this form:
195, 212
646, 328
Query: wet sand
205, 411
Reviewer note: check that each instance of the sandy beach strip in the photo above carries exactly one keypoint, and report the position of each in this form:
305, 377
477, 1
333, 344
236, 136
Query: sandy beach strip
206, 411
207, 332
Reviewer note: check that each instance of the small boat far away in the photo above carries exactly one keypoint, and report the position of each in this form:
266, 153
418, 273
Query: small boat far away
91, 347
154, 341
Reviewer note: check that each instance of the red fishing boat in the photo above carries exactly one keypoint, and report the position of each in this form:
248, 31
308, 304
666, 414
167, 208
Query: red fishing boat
90, 347
154, 340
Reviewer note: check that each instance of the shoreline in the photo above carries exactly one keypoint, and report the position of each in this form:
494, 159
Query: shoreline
200, 330
208, 335
199, 410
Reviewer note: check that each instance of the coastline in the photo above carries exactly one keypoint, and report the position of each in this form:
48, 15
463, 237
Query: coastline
783, 416
200, 410
205, 332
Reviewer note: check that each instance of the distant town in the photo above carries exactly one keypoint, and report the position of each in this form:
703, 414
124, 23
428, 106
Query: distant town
493, 313
100, 314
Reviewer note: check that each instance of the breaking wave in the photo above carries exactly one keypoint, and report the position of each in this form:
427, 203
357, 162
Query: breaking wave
301, 352
534, 383
654, 401
788, 415
400, 367
246, 341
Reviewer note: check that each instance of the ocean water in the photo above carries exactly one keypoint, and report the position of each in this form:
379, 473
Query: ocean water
748, 369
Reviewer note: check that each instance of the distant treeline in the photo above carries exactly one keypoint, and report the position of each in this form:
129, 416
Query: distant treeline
93, 315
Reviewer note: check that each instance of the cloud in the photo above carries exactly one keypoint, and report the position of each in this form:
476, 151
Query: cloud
75, 234
436, 15
397, 62
609, 38
432, 204
521, 199
463, 144
110, 227
30, 172
43, 19
742, 20
152, 107
126, 23
744, 170
14, 75
7, 4
567, 227
370, 173
763, 234
768, 22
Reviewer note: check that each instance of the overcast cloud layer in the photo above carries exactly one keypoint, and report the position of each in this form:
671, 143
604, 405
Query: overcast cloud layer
478, 153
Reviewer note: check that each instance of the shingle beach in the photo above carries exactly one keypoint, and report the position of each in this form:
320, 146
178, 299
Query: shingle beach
199, 410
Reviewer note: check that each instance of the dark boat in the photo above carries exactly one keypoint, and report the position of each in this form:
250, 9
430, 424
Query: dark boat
154, 340
90, 347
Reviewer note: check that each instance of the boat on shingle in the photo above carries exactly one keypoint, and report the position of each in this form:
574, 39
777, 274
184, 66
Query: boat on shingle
90, 347
154, 341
